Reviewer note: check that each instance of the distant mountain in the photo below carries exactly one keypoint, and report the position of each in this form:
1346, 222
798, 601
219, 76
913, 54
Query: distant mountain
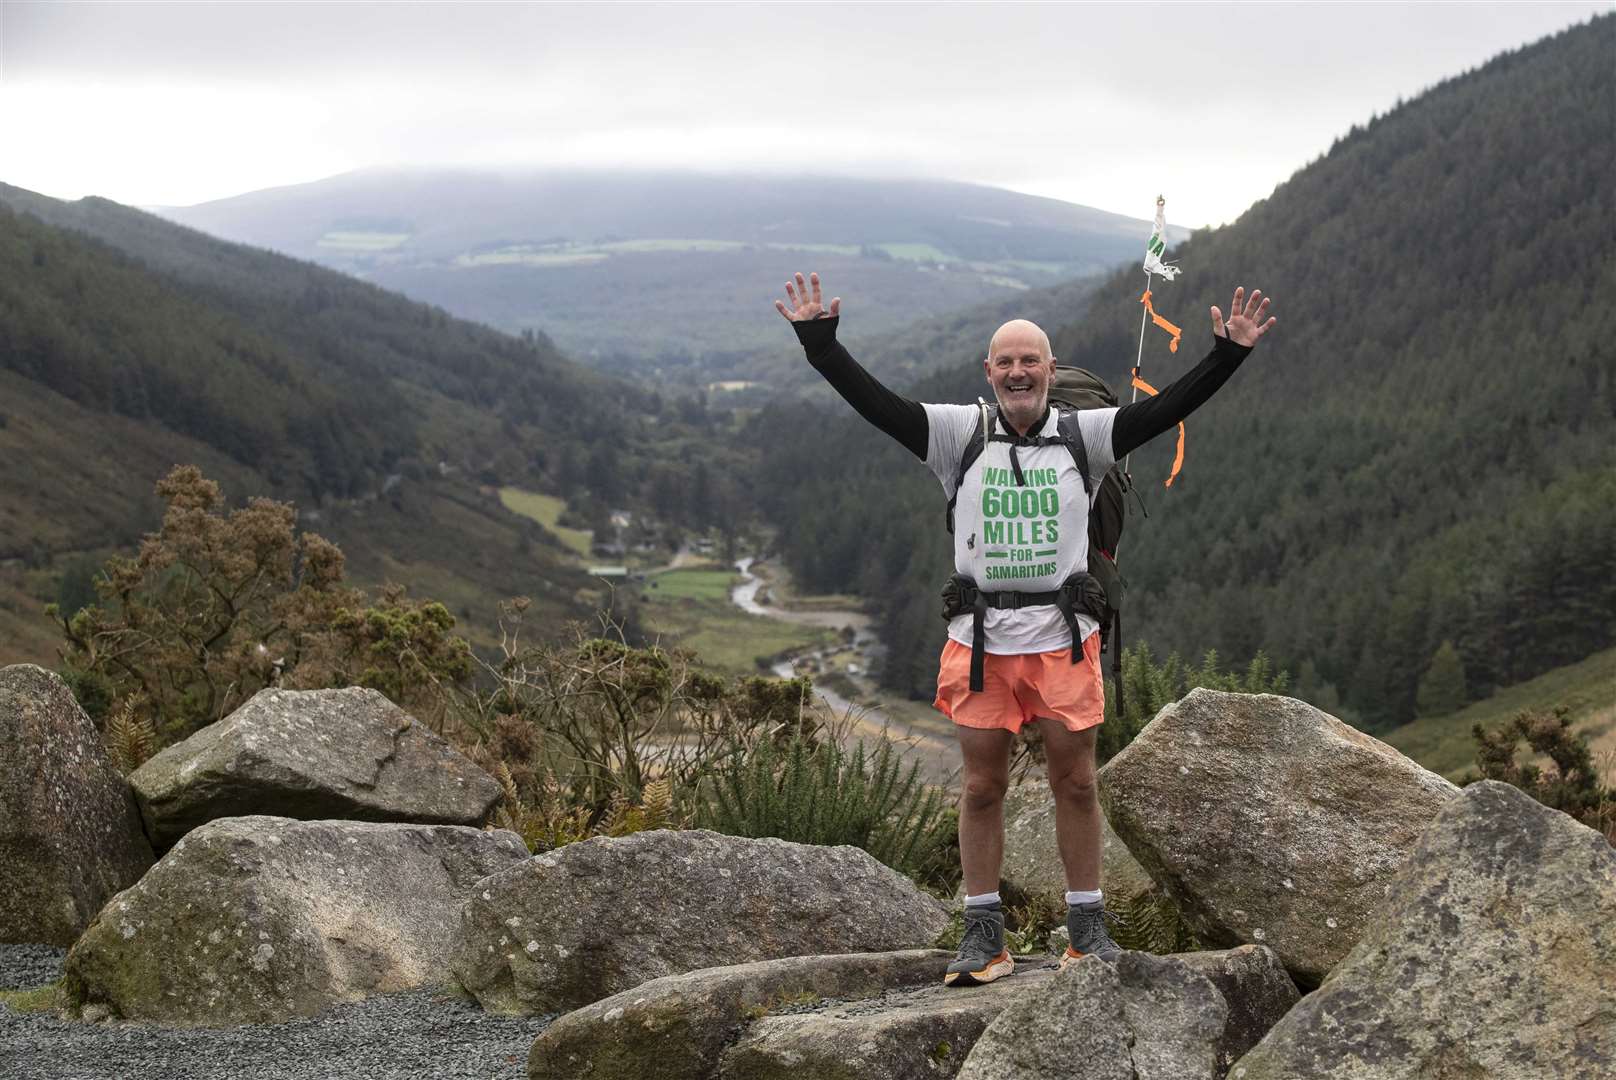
674, 273
1424, 451
129, 343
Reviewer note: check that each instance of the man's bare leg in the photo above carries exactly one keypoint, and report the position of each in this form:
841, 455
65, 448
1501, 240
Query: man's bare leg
986, 754
1077, 802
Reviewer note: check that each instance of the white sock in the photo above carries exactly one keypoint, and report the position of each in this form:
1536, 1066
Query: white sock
1079, 896
984, 900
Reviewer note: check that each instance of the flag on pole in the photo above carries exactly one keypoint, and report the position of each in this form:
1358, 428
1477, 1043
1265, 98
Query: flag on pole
1158, 244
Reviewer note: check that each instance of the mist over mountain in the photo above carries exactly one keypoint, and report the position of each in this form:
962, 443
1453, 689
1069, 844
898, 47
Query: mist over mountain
673, 274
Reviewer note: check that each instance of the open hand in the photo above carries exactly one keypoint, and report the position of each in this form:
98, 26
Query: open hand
803, 305
1245, 323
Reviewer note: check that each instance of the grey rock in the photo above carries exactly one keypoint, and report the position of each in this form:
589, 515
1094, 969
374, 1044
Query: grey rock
597, 917
70, 834
1257, 990
1269, 822
1492, 956
1032, 858
674, 1028
1146, 1018
312, 754
903, 1036
257, 919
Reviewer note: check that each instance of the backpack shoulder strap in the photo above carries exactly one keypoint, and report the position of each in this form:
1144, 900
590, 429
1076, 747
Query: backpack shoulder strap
978, 441
1072, 436
973, 450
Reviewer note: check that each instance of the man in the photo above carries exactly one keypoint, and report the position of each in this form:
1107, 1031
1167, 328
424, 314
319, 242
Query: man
1020, 533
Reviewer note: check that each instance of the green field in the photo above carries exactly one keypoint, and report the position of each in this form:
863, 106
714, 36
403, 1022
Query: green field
546, 510
692, 585
816, 249
361, 241
531, 258
917, 252
1443, 743
691, 609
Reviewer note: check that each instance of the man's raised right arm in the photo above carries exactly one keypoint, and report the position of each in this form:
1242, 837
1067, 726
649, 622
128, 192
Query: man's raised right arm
903, 419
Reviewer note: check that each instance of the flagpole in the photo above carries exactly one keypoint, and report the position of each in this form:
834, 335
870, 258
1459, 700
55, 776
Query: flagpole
1144, 313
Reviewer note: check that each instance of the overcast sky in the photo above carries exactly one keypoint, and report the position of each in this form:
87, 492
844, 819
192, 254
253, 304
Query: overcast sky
1212, 104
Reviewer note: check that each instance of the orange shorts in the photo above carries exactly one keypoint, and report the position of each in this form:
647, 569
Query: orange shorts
1017, 688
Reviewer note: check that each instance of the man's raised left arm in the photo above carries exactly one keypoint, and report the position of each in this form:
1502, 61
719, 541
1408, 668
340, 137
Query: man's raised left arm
1139, 422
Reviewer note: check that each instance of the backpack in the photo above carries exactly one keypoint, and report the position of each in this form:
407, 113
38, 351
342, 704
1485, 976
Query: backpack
1071, 391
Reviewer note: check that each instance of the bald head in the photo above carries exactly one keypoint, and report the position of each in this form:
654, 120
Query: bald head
1019, 335
1020, 368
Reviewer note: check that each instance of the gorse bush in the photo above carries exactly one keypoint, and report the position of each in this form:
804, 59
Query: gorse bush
1571, 783
217, 606
609, 719
814, 791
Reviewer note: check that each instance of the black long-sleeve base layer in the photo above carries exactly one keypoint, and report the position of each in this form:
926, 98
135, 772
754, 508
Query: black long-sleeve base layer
905, 420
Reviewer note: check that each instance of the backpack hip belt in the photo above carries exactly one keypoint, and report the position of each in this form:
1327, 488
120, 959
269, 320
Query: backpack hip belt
1080, 592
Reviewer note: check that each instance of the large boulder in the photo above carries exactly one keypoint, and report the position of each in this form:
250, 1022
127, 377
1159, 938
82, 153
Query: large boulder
1032, 862
902, 1035
1491, 955
1257, 989
70, 834
257, 919
675, 1028
1269, 822
1143, 1018
601, 916
312, 754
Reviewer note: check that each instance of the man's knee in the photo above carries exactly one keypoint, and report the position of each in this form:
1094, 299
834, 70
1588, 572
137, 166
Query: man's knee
984, 791
1076, 784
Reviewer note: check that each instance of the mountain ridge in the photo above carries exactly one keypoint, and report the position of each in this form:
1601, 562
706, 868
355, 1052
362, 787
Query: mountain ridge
670, 275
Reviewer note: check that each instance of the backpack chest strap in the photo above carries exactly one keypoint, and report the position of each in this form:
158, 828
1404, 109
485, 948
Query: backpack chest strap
1017, 441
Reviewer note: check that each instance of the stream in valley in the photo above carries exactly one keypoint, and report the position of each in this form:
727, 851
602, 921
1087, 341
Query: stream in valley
933, 746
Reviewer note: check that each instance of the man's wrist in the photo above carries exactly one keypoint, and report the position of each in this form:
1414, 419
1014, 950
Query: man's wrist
817, 336
1226, 344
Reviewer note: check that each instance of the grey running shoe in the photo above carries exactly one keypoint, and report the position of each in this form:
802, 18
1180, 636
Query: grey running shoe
1086, 924
982, 955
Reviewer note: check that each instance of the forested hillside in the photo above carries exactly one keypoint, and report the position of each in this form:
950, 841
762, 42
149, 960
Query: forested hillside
128, 344
1424, 451
667, 275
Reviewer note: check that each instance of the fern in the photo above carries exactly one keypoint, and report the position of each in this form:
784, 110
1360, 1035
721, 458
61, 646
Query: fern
130, 737
1151, 922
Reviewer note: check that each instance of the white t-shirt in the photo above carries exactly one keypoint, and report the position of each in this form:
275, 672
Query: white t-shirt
1014, 538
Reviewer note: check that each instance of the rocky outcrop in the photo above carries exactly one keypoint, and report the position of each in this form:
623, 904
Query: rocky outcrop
312, 754
1269, 822
1144, 1018
257, 919
903, 1035
1257, 989
1490, 956
1032, 862
594, 918
675, 1028
70, 835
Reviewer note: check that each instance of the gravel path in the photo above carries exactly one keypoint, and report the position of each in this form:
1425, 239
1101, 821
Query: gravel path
421, 1035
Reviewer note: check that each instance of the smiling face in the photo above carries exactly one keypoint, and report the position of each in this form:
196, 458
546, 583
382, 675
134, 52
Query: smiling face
1020, 368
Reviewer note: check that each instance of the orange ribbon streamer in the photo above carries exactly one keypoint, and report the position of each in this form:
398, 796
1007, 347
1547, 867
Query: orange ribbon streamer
1172, 346
1178, 458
